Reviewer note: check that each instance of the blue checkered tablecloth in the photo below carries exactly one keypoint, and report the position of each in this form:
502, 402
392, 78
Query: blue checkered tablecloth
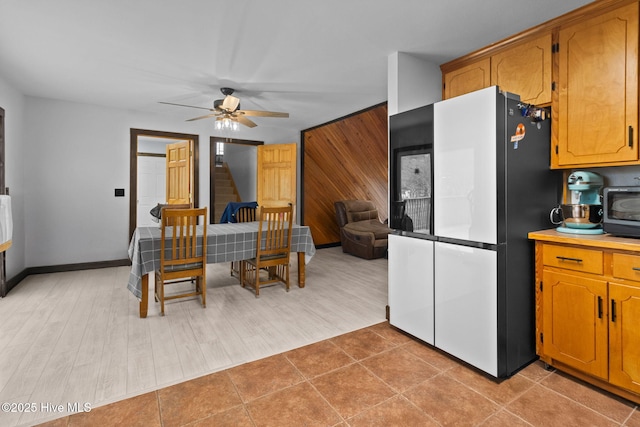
225, 243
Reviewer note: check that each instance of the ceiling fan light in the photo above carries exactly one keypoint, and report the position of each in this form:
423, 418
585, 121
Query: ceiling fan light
226, 123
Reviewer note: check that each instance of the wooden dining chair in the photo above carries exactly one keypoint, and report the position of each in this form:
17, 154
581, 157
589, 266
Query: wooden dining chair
175, 206
271, 264
183, 255
243, 214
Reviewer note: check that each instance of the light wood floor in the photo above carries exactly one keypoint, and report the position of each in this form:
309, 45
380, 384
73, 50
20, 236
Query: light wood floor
76, 337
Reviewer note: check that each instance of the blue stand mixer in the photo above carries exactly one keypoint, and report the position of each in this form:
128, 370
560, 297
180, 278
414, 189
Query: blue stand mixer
585, 217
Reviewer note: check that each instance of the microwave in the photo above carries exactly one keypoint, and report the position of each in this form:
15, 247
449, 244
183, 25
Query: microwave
621, 211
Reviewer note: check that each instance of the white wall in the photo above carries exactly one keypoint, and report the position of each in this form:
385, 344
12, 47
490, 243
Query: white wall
77, 155
411, 82
13, 103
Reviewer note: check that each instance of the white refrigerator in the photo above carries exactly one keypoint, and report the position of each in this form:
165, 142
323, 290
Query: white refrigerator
492, 185
468, 287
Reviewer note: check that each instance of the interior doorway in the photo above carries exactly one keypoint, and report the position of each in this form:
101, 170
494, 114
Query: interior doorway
161, 137
217, 159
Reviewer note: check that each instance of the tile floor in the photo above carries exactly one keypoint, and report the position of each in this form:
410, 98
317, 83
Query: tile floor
376, 376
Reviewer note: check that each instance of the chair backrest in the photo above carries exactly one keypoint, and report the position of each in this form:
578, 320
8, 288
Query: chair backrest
354, 210
176, 206
274, 232
181, 244
245, 214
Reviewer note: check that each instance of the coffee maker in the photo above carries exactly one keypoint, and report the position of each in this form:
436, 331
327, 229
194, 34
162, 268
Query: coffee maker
584, 216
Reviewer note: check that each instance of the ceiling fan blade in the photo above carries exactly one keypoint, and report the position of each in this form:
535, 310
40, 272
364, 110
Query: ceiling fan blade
230, 103
244, 121
202, 117
190, 106
257, 113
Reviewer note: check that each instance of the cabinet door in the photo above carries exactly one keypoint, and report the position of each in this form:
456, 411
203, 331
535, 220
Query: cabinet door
411, 286
467, 79
525, 70
624, 333
575, 321
466, 301
597, 102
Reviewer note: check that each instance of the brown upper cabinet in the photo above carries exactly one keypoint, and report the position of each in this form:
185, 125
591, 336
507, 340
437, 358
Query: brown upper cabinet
525, 69
467, 79
597, 100
584, 65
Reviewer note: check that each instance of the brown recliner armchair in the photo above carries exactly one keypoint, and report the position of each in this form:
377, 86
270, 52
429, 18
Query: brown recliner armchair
361, 232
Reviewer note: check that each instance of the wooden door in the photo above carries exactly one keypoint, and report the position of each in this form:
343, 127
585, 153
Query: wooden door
575, 322
276, 175
179, 177
525, 70
597, 100
467, 79
624, 333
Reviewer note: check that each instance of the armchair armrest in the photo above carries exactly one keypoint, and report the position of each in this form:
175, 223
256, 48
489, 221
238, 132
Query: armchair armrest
359, 237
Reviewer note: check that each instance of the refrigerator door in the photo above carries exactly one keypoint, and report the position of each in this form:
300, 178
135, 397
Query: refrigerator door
411, 286
464, 188
466, 323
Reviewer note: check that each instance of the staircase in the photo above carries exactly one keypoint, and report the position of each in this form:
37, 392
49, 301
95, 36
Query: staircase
225, 190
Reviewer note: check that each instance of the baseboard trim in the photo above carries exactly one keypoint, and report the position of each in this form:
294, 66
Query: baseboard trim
14, 281
328, 245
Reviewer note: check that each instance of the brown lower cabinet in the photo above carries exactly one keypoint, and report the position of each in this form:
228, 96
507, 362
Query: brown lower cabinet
588, 308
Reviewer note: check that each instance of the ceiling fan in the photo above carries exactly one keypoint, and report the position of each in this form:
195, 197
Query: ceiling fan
228, 109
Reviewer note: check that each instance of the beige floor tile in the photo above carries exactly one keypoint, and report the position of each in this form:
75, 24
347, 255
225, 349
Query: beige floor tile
352, 389
299, 405
599, 400
431, 355
501, 392
396, 412
256, 379
137, 411
319, 358
541, 406
400, 369
450, 402
504, 418
362, 344
197, 399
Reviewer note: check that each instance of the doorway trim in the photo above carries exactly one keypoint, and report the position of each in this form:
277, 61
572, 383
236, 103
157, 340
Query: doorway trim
133, 168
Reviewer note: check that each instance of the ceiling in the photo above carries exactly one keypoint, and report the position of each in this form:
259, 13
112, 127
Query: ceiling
318, 60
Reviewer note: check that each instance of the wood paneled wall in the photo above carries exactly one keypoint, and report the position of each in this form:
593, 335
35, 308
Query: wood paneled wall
343, 159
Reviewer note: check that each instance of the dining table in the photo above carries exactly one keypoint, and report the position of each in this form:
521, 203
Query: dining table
226, 242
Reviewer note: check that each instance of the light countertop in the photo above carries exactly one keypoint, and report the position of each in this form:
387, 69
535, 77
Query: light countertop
595, 240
